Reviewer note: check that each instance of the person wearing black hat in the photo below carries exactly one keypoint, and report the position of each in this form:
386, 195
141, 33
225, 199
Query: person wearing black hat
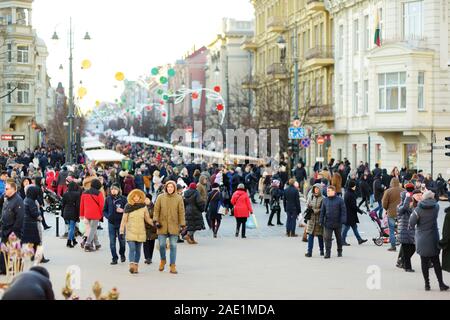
32, 285
212, 208
113, 211
352, 214
378, 191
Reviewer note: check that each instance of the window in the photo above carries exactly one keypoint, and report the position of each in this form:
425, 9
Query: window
341, 99
316, 36
9, 88
22, 54
341, 42
420, 100
366, 33
317, 91
366, 97
413, 20
381, 21
39, 71
339, 155
305, 43
355, 154
392, 91
355, 36
23, 93
364, 150
9, 50
39, 106
378, 153
355, 98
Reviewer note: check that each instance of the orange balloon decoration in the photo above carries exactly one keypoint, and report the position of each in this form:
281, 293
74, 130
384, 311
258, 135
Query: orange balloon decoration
220, 107
195, 95
120, 76
217, 89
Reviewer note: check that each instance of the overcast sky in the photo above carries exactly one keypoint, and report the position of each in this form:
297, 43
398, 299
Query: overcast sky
129, 36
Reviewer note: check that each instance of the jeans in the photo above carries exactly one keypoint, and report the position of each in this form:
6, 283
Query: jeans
149, 247
135, 251
327, 235
392, 239
72, 224
291, 222
114, 234
92, 235
355, 231
173, 247
311, 243
379, 209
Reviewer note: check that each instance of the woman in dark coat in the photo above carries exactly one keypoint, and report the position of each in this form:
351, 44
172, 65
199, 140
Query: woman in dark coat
71, 211
30, 229
406, 235
194, 207
23, 184
213, 204
352, 214
424, 218
364, 187
37, 181
445, 242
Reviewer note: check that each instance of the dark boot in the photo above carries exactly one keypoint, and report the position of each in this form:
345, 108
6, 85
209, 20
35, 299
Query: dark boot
74, 242
69, 244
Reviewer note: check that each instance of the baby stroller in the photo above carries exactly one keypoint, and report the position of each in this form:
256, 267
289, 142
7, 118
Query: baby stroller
383, 230
53, 200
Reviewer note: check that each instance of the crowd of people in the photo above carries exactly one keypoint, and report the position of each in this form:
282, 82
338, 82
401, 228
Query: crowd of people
154, 198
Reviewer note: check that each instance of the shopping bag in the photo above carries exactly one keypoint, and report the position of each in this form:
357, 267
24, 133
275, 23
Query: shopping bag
252, 223
82, 227
222, 210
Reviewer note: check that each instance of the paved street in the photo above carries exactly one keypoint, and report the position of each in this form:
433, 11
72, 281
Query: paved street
267, 265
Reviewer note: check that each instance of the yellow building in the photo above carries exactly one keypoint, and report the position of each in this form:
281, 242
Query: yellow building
306, 26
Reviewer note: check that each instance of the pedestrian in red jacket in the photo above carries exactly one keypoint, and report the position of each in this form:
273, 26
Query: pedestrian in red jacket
242, 208
91, 211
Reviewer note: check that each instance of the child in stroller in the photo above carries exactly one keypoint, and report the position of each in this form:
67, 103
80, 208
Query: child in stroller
383, 229
54, 205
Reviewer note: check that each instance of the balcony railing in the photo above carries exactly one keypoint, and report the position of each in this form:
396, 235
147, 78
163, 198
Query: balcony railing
315, 5
250, 82
276, 24
249, 44
278, 70
321, 111
320, 52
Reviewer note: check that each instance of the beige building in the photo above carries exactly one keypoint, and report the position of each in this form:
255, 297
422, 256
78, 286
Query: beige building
392, 102
304, 25
227, 65
23, 75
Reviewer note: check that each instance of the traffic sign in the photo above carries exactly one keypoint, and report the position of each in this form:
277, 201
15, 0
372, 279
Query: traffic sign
296, 133
320, 159
320, 140
306, 143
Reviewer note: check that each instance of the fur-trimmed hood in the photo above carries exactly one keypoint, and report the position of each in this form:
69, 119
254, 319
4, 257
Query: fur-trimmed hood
133, 193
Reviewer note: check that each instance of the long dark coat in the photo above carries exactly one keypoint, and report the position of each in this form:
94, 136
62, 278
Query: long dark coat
194, 207
406, 234
445, 242
30, 231
71, 205
424, 218
352, 208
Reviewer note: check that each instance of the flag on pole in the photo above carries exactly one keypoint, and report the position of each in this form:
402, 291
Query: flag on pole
377, 40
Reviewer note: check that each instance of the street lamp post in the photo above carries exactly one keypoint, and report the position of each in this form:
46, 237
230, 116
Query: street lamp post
70, 116
281, 42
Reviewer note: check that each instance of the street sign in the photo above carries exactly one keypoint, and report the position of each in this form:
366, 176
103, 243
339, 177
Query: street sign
296, 133
10, 137
306, 143
296, 123
320, 140
320, 159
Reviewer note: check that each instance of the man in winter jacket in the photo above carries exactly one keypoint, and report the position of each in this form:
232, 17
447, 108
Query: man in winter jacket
3, 177
333, 215
391, 199
61, 182
91, 209
378, 190
300, 175
13, 213
113, 211
292, 208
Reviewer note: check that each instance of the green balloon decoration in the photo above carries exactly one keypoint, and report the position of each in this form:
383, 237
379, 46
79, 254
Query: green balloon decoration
155, 71
171, 73
165, 97
160, 92
163, 80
